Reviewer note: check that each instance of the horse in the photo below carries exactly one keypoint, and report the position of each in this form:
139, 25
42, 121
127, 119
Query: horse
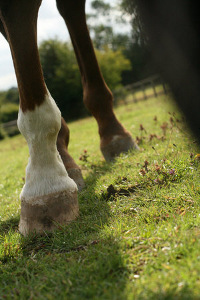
49, 195
172, 29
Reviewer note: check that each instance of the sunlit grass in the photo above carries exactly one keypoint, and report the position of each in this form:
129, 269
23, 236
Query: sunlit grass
137, 236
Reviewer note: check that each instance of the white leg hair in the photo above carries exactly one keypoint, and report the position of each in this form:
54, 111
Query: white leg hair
45, 172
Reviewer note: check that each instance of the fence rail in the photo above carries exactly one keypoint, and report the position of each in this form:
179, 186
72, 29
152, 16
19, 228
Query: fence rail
10, 124
142, 90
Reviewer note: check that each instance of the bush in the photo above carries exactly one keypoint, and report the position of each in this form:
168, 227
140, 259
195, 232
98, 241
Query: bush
8, 112
12, 96
11, 131
112, 64
63, 78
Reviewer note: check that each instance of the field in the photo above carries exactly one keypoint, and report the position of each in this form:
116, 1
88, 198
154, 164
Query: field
138, 233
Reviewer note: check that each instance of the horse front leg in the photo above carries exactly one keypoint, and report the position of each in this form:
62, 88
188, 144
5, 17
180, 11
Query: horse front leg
49, 196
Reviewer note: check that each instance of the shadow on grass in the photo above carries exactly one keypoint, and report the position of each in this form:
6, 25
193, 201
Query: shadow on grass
185, 293
80, 260
94, 213
9, 225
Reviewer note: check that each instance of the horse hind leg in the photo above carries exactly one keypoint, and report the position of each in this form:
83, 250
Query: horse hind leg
72, 168
98, 99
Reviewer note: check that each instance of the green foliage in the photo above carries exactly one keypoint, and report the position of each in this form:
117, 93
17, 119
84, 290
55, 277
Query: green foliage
141, 64
132, 44
130, 7
2, 97
102, 26
101, 7
9, 112
103, 35
62, 77
112, 64
12, 96
2, 133
137, 236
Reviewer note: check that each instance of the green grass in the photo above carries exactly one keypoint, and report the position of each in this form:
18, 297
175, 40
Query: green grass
138, 233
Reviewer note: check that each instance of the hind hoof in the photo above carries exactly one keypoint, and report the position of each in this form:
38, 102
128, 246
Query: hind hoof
117, 145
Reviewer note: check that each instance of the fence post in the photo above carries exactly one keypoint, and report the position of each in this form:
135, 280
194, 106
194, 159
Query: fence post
154, 88
144, 93
164, 87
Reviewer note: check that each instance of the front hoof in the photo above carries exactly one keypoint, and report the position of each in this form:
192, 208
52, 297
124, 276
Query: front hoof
46, 212
117, 145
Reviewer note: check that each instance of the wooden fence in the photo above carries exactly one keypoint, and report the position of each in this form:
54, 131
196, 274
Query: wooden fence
142, 90
9, 124
10, 128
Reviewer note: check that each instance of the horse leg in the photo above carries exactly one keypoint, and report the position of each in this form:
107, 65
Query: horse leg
49, 196
97, 97
72, 168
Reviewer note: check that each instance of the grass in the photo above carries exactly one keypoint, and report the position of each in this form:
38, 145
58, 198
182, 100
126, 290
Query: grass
137, 236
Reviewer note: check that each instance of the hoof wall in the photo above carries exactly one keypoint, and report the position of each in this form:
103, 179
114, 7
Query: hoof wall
44, 213
118, 145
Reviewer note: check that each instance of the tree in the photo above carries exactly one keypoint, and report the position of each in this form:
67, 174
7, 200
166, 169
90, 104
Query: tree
63, 79
101, 27
112, 64
101, 7
12, 95
138, 51
130, 7
132, 44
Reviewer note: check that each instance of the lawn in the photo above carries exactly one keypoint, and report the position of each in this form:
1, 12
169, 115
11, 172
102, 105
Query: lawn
138, 233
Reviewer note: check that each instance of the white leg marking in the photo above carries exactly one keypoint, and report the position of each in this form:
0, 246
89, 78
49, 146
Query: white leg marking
45, 172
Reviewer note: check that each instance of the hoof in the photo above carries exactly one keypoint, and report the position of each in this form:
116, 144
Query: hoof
76, 175
46, 212
117, 145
